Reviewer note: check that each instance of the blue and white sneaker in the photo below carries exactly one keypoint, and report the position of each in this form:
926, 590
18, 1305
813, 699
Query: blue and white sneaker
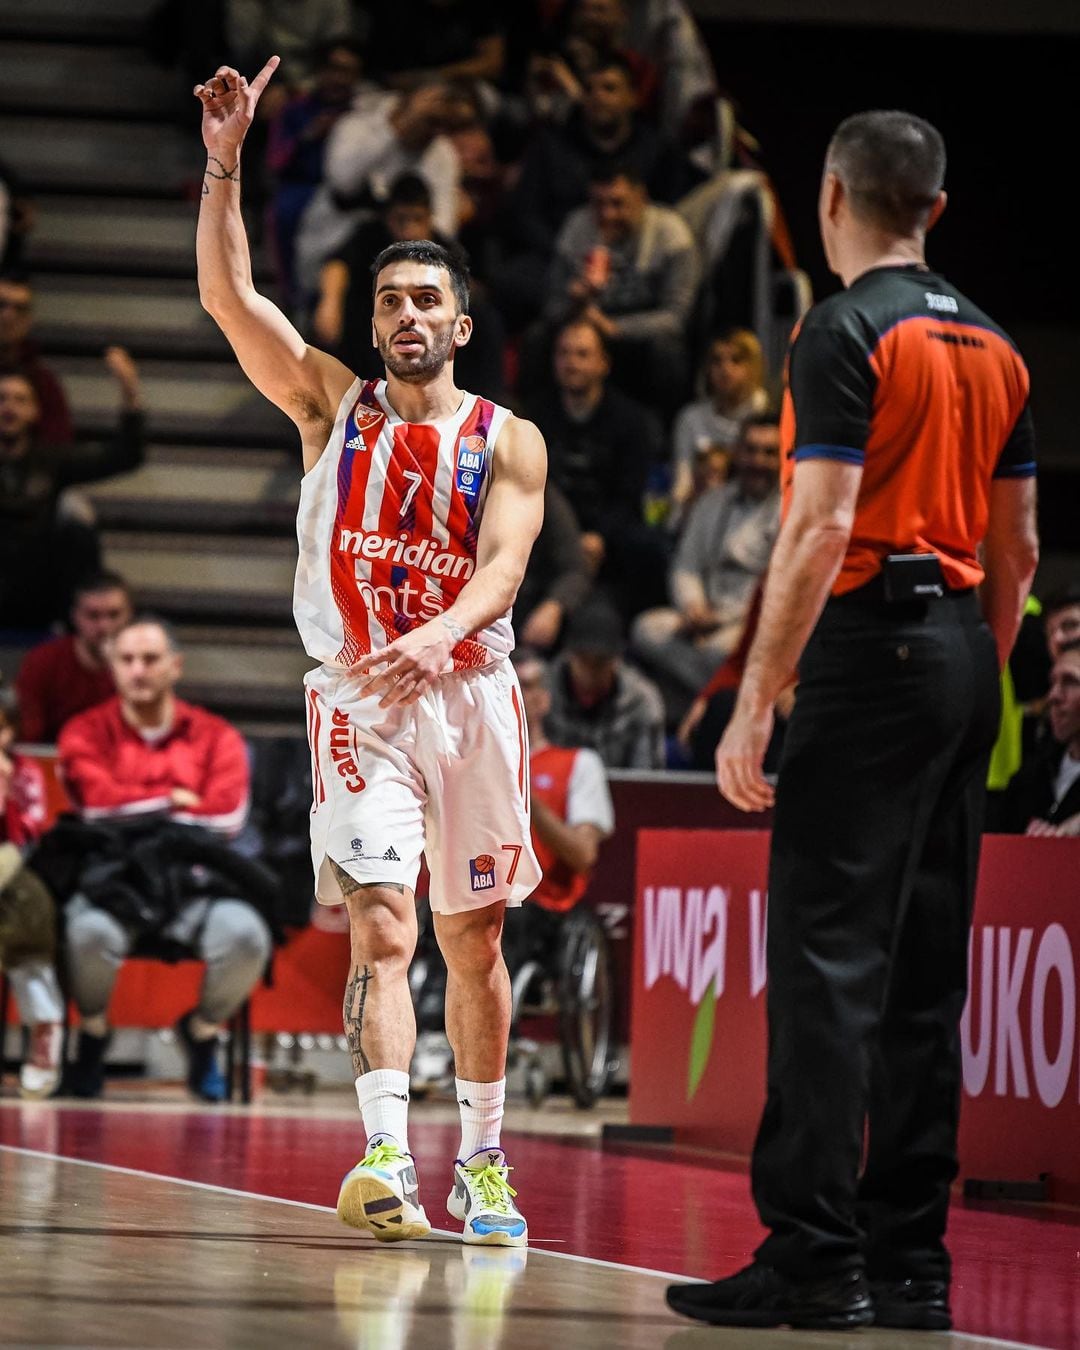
381, 1194
483, 1199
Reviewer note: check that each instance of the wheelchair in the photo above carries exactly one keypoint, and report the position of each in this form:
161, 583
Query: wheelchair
560, 967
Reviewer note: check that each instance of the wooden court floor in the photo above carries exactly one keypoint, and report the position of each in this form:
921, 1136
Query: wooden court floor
173, 1226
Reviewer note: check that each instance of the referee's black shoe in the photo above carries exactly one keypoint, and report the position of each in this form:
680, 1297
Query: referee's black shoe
911, 1305
760, 1296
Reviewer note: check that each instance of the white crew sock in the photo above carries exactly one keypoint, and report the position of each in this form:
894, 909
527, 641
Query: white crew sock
481, 1107
383, 1095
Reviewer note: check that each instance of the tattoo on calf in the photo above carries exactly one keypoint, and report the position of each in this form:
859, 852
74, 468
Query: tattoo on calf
353, 1016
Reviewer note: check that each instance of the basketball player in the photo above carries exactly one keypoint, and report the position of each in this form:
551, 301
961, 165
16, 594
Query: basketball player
418, 508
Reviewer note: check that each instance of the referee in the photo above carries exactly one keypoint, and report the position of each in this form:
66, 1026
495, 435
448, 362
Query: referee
896, 587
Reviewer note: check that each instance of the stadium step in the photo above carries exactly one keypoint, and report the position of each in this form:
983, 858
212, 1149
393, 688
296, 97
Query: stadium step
193, 402
249, 672
77, 315
84, 21
58, 154
197, 489
206, 577
118, 237
62, 78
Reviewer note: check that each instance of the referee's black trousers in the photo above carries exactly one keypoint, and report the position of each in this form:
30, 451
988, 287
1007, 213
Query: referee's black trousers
872, 873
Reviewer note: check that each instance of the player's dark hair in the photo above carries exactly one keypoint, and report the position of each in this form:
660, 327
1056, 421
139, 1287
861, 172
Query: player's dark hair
429, 254
892, 165
95, 583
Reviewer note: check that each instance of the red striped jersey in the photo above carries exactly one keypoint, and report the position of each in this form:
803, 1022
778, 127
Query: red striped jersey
388, 524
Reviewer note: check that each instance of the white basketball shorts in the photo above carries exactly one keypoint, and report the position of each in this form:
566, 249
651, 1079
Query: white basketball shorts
447, 776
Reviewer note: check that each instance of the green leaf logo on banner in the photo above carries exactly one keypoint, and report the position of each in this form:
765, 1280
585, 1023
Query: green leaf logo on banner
701, 1040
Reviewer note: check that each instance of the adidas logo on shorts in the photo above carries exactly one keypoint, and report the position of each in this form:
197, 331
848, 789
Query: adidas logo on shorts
390, 855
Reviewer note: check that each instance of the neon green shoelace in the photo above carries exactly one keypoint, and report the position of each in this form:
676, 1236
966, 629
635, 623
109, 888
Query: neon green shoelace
383, 1155
495, 1191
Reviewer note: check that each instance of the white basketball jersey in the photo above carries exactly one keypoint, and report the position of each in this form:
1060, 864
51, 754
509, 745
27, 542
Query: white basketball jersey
388, 524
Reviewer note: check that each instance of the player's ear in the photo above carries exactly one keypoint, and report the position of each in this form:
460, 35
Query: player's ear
936, 210
463, 330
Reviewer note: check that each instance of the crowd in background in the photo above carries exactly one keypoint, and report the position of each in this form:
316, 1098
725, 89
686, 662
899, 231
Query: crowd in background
624, 247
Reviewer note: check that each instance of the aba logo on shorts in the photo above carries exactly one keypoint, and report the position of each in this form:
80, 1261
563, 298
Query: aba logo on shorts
470, 464
482, 871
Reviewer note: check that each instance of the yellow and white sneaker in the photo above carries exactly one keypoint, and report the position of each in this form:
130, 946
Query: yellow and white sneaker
381, 1194
483, 1199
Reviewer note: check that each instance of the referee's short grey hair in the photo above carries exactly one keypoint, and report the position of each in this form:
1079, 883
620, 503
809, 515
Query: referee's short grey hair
892, 165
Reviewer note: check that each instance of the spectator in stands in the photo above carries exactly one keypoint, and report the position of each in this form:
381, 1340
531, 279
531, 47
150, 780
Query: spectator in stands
19, 349
590, 32
598, 700
146, 761
572, 811
666, 31
27, 916
600, 445
342, 319
16, 220
722, 554
66, 675
44, 552
630, 267
1044, 796
1061, 615
385, 136
557, 577
733, 383
562, 167
298, 137
462, 40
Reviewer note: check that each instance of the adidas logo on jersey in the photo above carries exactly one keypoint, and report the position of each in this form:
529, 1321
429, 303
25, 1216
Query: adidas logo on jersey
357, 443
390, 855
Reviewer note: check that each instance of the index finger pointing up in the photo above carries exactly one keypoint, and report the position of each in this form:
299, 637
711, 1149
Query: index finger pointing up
259, 83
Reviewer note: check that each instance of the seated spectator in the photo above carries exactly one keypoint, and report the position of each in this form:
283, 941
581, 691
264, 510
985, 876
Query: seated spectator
342, 319
1044, 796
733, 380
16, 220
384, 136
667, 32
572, 812
67, 675
145, 769
437, 40
27, 914
1061, 616
722, 554
600, 445
557, 577
297, 143
44, 552
630, 267
598, 700
588, 34
19, 350
561, 168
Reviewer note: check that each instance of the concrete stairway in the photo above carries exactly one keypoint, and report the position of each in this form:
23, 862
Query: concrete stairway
205, 530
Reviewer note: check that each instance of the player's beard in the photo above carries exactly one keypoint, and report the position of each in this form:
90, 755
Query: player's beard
424, 364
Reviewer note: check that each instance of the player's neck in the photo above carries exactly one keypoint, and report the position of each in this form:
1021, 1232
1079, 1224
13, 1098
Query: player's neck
430, 401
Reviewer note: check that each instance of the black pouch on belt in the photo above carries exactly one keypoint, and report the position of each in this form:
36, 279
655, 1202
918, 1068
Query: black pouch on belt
912, 576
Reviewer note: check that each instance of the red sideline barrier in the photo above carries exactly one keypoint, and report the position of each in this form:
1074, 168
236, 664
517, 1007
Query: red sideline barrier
698, 1027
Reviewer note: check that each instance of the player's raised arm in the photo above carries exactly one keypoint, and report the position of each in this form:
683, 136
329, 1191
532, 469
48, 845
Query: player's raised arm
305, 383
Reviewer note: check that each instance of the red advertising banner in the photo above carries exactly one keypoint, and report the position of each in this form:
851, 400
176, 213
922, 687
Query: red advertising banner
698, 1010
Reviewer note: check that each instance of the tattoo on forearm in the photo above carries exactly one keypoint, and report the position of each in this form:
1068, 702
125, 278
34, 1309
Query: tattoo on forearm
454, 629
352, 1014
225, 176
350, 886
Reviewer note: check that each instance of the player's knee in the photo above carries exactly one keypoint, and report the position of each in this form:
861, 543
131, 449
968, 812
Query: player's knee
380, 936
474, 946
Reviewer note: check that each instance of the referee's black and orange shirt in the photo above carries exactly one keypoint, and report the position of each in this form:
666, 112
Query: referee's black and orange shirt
902, 374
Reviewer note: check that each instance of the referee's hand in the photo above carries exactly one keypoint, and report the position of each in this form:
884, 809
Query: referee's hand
739, 758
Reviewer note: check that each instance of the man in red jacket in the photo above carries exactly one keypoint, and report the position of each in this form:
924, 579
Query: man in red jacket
143, 752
